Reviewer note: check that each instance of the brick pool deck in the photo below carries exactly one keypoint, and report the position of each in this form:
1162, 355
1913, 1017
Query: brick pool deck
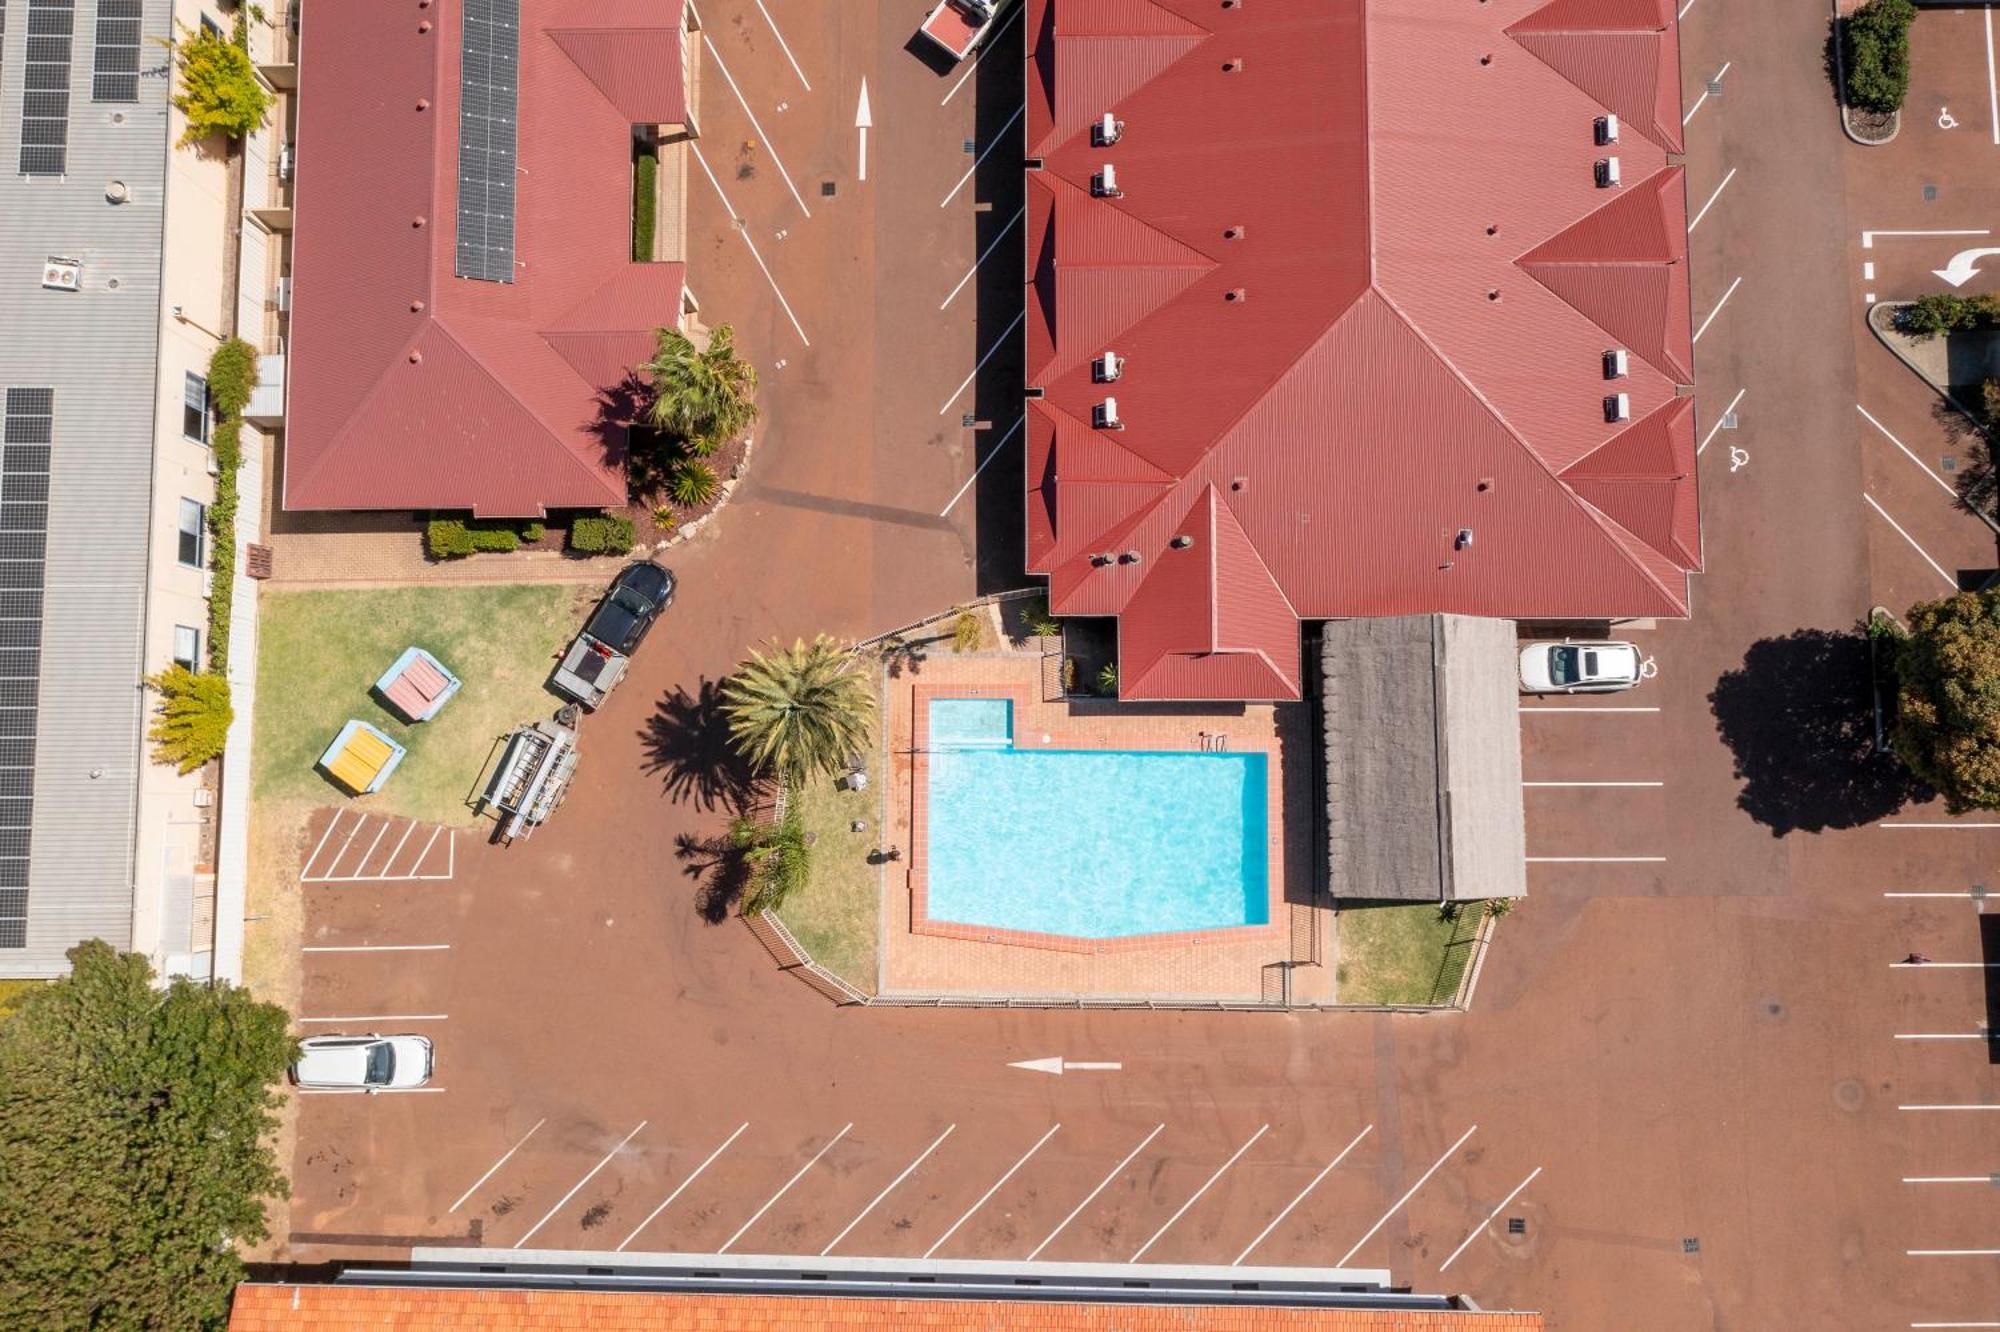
923, 956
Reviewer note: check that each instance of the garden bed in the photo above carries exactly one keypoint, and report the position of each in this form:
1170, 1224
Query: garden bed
1397, 954
836, 917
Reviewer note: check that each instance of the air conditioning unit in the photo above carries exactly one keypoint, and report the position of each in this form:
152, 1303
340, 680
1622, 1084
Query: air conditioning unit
1105, 415
60, 274
208, 582
214, 467
1606, 130
1105, 183
1607, 172
1618, 407
1106, 368
285, 163
284, 295
203, 797
1107, 131
1616, 363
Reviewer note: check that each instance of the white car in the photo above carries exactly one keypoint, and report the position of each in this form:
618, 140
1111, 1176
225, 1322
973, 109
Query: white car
363, 1063
1574, 667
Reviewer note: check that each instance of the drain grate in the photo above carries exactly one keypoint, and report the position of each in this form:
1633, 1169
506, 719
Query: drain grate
969, 420
971, 145
1729, 420
826, 188
1948, 463
1690, 1245
1930, 194
1517, 1225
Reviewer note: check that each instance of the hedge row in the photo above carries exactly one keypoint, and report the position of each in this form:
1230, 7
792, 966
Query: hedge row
607, 534
455, 538
1943, 312
232, 375
1878, 54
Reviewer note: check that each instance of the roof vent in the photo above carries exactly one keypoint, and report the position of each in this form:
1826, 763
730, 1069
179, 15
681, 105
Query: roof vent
1607, 173
1233, 66
1236, 232
1182, 542
1618, 407
117, 191
1463, 539
1616, 363
1236, 295
1107, 368
1105, 183
1107, 131
1130, 557
418, 221
1606, 128
416, 357
60, 274
1105, 415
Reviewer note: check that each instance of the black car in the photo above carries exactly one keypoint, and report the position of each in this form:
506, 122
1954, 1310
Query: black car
596, 661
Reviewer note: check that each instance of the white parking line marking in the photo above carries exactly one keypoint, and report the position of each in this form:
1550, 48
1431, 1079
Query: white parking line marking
359, 824
1944, 1035
1716, 311
1948, 1107
998, 139
1868, 237
1235, 1156
376, 948
1953, 1253
681, 1186
561, 1202
1943, 484
997, 344
1947, 1179
784, 46
1325, 1170
1684, 9
757, 1215
397, 849
504, 1159
1398, 1206
1957, 894
990, 1192
1949, 581
362, 864
368, 1091
762, 137
1719, 420
888, 1189
1704, 97
1593, 783
1941, 966
1596, 860
1992, 87
744, 232
1577, 709
1958, 824
1489, 1219
332, 823
1712, 198
991, 454
1090, 1197
379, 1017
1002, 27
990, 246
1956, 1324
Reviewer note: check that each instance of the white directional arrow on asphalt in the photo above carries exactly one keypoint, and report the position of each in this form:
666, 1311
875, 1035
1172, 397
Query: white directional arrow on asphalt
1059, 1066
1964, 266
864, 120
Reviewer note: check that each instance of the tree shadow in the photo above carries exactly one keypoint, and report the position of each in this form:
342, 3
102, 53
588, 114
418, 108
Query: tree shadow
720, 871
617, 412
1798, 716
687, 744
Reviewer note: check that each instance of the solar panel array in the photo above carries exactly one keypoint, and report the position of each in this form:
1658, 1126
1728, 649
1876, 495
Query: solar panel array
45, 96
25, 436
489, 101
115, 67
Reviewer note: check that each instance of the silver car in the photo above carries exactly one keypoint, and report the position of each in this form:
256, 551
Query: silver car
1579, 667
363, 1063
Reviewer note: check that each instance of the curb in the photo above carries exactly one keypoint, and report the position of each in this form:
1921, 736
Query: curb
1840, 70
1943, 391
736, 474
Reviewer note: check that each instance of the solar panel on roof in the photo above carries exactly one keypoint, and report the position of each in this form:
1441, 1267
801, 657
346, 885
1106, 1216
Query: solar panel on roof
115, 60
45, 106
489, 102
26, 428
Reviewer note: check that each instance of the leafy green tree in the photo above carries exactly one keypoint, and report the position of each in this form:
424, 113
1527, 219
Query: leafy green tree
704, 395
1948, 698
779, 856
799, 712
134, 1147
1878, 54
192, 724
219, 92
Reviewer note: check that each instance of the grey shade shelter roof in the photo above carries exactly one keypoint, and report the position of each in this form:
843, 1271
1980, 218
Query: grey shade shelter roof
1423, 759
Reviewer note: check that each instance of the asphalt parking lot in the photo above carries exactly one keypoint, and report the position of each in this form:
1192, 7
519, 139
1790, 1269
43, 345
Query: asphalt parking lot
1695, 1072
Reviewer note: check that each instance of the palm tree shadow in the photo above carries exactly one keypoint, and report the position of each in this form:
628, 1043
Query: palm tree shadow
719, 869
687, 744
1799, 718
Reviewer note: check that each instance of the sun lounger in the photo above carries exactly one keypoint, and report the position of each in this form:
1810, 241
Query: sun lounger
418, 686
360, 758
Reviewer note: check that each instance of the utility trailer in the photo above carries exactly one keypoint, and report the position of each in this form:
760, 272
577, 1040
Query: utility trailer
958, 26
533, 775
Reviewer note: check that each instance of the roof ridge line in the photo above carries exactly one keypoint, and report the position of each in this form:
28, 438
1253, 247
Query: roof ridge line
427, 322
1167, 479
555, 436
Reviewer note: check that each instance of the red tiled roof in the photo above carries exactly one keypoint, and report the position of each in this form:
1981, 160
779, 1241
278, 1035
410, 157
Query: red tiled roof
411, 387
272, 1308
1363, 281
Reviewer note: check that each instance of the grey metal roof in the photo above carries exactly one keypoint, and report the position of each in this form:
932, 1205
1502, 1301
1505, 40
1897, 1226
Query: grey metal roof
1423, 759
98, 350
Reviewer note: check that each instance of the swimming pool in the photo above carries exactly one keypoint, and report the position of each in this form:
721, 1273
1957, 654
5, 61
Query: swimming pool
1095, 844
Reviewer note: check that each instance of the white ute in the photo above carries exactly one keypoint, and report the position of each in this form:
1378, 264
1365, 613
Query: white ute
1575, 667
363, 1063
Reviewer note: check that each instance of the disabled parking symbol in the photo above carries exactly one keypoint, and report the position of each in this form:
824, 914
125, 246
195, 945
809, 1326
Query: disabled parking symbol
1946, 120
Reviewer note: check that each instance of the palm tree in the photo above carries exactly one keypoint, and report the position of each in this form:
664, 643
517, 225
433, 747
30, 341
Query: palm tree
799, 712
704, 395
778, 856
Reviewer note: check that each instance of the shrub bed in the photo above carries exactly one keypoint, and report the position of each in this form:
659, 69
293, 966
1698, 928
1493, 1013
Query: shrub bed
1878, 54
455, 538
1943, 312
601, 534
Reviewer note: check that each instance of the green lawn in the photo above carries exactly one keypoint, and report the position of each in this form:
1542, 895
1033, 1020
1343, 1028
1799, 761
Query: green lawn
320, 652
837, 916
1397, 954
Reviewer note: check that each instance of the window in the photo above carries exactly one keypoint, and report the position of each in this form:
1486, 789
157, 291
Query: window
209, 27
194, 533
194, 409
187, 646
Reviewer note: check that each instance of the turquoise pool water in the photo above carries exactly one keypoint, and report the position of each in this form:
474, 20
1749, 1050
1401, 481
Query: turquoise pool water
1098, 844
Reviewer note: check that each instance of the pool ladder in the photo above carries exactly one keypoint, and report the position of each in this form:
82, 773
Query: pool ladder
1213, 742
